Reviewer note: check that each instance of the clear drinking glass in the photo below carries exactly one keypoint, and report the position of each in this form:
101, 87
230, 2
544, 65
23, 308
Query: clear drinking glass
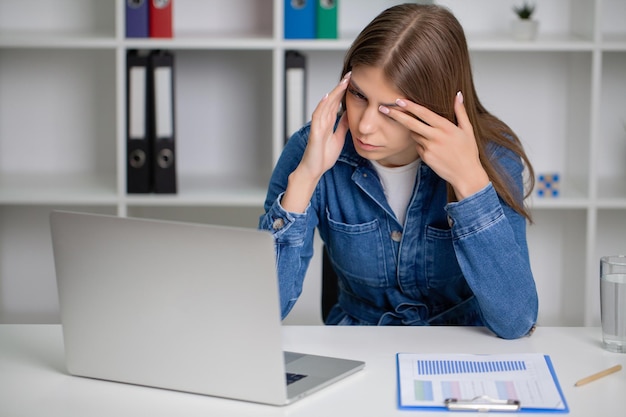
613, 302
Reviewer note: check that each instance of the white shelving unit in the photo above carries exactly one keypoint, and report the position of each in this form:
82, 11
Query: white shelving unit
62, 126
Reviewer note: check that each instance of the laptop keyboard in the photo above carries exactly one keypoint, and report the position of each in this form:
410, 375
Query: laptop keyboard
291, 377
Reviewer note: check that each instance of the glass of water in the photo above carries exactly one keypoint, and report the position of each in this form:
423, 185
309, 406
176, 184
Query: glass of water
613, 302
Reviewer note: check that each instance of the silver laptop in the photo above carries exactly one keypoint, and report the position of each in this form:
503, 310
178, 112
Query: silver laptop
180, 306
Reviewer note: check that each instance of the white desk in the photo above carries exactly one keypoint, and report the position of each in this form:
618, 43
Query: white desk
33, 380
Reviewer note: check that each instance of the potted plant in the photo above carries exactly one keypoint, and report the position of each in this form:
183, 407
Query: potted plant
525, 27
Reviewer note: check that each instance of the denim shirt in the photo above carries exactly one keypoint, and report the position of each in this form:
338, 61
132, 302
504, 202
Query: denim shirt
460, 263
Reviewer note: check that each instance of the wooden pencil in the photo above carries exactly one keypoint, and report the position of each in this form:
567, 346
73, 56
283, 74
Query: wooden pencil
598, 375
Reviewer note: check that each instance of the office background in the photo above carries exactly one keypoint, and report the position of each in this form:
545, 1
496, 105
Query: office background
63, 127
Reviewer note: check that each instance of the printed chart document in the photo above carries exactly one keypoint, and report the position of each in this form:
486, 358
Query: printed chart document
452, 381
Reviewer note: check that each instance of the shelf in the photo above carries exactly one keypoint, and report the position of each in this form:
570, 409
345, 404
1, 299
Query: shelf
613, 30
222, 190
476, 42
572, 195
553, 121
57, 117
243, 43
611, 225
543, 43
43, 18
556, 242
230, 215
611, 145
224, 115
560, 203
316, 44
27, 267
47, 189
212, 19
611, 190
614, 42
63, 123
56, 40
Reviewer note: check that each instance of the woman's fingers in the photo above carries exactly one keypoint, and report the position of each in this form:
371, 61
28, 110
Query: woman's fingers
424, 121
461, 114
324, 145
336, 94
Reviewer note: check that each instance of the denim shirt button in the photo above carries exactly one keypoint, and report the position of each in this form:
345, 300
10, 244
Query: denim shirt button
396, 236
278, 224
450, 221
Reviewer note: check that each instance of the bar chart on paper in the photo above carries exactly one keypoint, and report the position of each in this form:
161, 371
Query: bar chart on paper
439, 367
427, 380
456, 388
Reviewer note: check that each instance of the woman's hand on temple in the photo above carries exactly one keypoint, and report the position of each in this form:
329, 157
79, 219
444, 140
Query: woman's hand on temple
449, 149
325, 145
322, 150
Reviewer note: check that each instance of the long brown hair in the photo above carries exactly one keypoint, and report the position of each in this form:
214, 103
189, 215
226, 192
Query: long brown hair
423, 52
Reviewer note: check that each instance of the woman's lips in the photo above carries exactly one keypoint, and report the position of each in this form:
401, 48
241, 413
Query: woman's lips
366, 146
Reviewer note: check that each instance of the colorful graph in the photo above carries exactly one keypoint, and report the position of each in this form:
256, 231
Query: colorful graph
444, 367
424, 390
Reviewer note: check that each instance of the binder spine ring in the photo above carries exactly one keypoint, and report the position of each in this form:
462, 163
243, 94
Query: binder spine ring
165, 158
160, 4
137, 158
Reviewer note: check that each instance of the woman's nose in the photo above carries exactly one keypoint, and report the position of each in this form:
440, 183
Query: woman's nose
369, 120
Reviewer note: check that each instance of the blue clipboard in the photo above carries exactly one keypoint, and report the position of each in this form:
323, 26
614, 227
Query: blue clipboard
436, 380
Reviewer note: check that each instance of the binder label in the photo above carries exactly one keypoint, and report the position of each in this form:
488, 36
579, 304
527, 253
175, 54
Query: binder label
137, 111
163, 102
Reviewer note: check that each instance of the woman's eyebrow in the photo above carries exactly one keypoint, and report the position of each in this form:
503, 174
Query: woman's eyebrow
355, 85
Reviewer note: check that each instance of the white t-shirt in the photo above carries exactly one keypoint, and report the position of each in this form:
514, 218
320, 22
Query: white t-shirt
398, 183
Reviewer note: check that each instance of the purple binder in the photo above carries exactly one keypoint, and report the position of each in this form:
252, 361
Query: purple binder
137, 18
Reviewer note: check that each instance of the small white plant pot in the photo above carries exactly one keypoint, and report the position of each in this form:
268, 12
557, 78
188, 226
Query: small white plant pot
525, 29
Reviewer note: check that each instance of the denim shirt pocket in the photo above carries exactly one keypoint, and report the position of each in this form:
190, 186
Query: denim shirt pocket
358, 251
441, 266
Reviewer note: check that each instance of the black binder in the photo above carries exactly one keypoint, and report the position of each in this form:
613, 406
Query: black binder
138, 165
163, 130
295, 92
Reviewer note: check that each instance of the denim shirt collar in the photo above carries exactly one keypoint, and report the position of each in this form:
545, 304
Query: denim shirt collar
350, 156
364, 175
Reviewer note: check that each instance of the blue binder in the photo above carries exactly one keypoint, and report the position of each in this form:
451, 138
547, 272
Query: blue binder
300, 19
137, 19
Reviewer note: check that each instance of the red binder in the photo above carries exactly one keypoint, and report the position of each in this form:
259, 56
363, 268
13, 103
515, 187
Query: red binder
161, 18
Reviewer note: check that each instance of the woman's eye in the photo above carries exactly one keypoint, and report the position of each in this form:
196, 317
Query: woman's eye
356, 94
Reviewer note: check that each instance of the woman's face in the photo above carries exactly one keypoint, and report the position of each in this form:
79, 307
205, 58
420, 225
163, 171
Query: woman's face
376, 136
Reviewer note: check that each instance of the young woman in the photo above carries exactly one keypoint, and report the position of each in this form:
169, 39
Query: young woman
416, 190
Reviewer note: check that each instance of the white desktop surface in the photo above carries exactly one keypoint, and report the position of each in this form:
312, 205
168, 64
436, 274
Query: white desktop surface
34, 382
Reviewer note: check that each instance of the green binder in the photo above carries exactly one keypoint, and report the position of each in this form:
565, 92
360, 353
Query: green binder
327, 19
